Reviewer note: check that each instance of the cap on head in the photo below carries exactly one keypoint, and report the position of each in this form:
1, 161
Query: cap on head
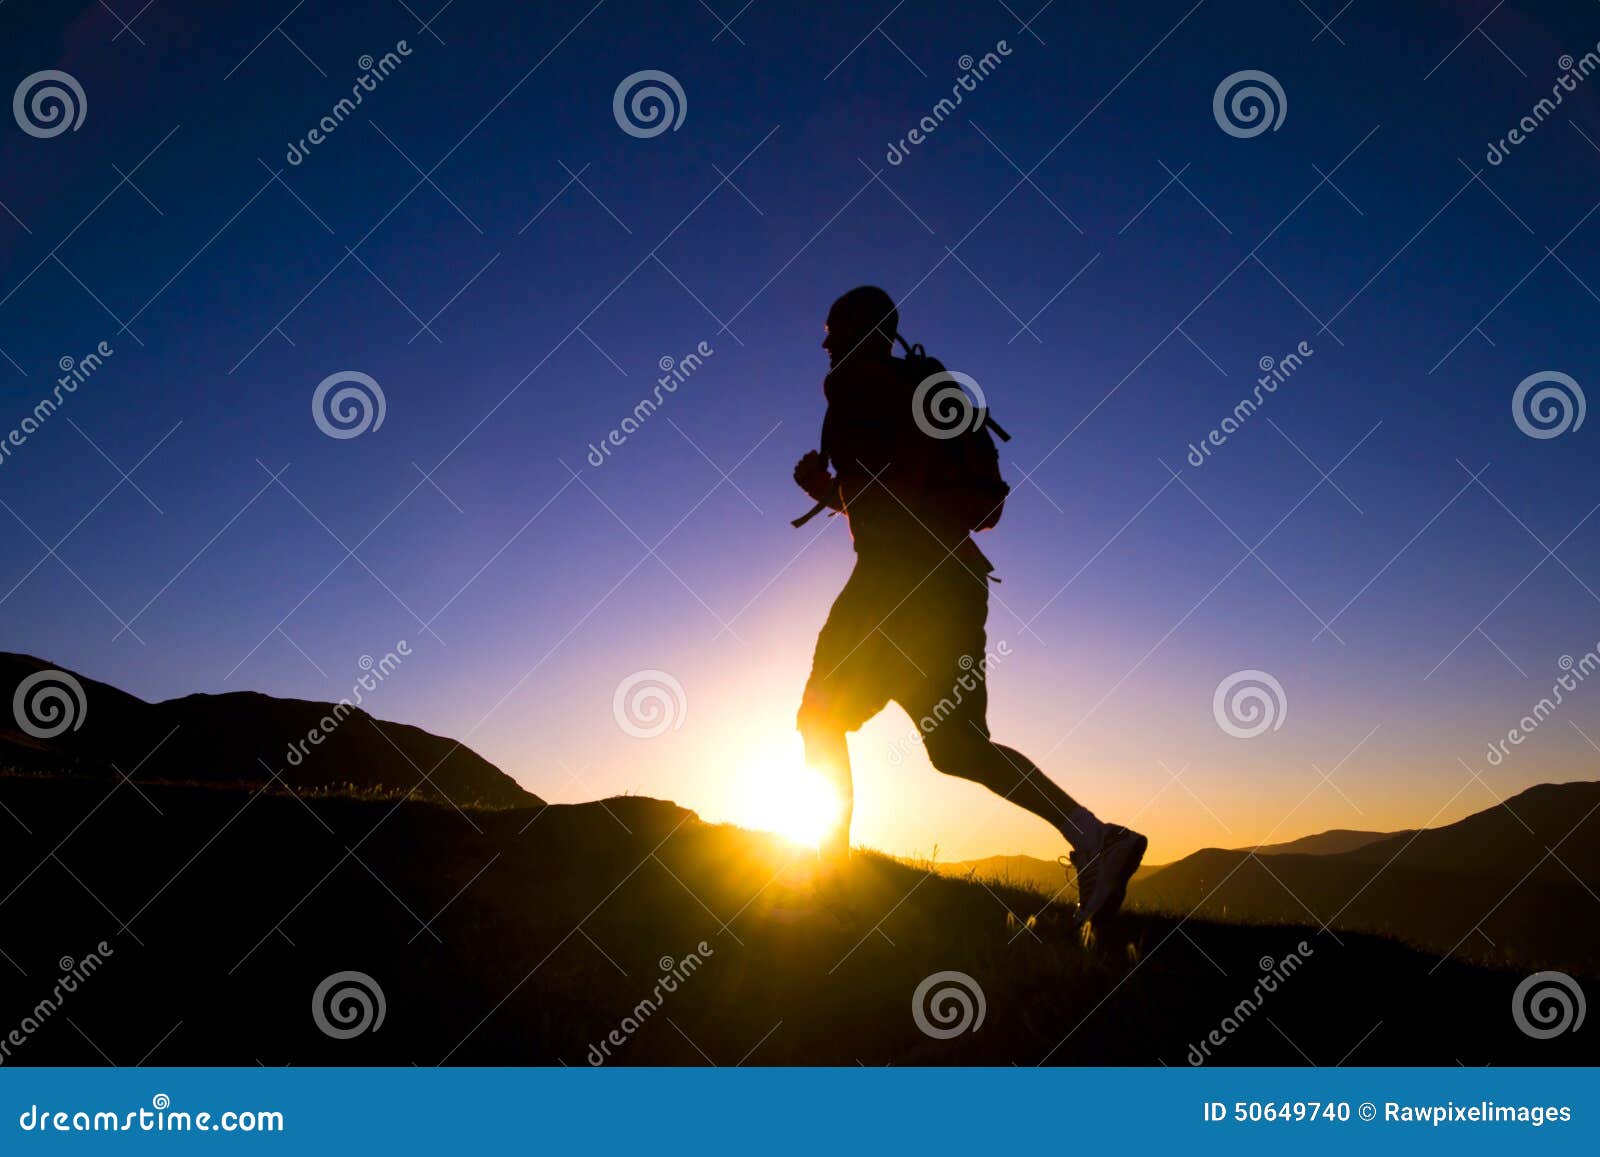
863, 309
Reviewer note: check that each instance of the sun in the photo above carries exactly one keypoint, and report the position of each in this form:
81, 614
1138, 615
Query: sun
780, 794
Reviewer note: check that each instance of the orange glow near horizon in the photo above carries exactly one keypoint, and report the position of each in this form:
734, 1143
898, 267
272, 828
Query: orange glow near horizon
1175, 775
774, 791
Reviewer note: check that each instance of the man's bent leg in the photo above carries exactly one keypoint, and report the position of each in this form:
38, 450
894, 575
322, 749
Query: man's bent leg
828, 754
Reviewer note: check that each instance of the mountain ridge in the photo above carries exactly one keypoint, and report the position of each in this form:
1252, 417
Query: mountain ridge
245, 737
1481, 886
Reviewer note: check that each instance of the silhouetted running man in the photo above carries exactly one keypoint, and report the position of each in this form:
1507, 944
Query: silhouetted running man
909, 624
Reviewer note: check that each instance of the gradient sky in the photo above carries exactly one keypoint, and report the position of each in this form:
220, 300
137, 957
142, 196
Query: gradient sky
527, 595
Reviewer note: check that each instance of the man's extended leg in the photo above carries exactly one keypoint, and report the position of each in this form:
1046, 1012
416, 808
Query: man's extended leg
1104, 856
1007, 772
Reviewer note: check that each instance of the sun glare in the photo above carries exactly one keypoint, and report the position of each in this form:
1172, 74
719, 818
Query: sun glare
780, 794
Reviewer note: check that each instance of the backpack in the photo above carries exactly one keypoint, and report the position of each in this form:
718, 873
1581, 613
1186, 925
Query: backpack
973, 462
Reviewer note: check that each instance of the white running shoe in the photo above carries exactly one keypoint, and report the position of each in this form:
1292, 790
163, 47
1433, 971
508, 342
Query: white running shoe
1103, 875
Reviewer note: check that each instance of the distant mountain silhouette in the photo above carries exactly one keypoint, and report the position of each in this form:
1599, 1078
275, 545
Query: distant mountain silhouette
1514, 883
1049, 878
1328, 843
1045, 877
244, 737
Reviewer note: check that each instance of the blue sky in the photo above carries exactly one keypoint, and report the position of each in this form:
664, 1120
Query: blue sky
1154, 258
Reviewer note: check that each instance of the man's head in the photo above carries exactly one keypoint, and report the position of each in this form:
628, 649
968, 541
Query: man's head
862, 324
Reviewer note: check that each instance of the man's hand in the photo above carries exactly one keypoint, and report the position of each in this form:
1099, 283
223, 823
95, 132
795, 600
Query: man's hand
811, 475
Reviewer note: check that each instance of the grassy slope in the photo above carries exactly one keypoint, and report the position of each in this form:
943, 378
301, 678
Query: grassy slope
551, 924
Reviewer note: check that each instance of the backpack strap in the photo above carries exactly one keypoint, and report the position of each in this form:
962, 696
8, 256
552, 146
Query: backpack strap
916, 351
797, 523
